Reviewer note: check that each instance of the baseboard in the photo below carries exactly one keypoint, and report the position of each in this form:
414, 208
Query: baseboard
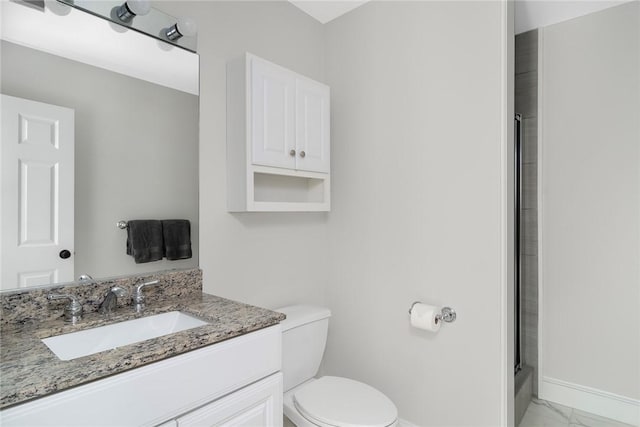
603, 403
405, 423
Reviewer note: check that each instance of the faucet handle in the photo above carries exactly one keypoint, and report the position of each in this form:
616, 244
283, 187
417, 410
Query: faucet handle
73, 310
138, 296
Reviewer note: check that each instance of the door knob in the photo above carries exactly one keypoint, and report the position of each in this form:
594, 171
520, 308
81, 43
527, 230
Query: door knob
64, 254
302, 154
292, 152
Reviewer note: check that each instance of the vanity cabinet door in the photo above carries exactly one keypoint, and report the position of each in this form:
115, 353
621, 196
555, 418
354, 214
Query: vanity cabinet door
272, 115
259, 404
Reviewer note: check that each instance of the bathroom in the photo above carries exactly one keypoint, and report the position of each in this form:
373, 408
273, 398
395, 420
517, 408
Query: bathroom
423, 96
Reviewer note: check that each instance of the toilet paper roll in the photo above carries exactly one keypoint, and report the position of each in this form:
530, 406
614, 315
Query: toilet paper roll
423, 316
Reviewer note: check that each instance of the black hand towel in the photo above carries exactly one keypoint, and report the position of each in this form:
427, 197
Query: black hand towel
177, 238
144, 240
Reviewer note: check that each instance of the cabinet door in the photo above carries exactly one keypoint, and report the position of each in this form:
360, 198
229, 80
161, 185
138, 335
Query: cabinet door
272, 115
312, 126
259, 404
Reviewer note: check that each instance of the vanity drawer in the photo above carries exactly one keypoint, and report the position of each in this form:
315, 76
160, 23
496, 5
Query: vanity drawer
158, 392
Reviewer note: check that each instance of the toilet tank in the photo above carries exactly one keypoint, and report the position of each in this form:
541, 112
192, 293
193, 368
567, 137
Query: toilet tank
304, 336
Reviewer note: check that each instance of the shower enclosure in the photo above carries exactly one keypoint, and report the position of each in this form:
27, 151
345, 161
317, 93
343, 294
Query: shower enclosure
523, 373
525, 362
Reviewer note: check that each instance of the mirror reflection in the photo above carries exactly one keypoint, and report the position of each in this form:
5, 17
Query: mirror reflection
132, 154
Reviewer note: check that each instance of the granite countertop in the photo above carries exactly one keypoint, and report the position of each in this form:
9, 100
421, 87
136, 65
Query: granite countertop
28, 369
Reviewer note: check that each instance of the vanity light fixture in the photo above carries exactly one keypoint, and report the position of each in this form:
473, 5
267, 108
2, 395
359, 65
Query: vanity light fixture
184, 27
132, 8
155, 23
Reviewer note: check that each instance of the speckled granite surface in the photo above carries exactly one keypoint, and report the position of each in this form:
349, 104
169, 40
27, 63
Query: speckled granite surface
28, 369
31, 305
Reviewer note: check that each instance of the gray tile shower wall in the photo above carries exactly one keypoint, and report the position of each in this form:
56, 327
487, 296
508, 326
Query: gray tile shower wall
31, 305
527, 52
526, 101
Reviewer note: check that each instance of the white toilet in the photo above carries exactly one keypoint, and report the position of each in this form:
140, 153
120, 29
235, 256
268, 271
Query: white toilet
326, 401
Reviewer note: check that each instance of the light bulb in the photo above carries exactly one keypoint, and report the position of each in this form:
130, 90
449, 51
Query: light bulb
187, 27
139, 7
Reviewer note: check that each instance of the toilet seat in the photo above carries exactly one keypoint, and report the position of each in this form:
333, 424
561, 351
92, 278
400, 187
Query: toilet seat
336, 401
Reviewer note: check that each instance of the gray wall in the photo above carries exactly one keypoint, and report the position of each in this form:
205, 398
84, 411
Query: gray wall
526, 99
590, 240
270, 259
136, 147
416, 131
416, 193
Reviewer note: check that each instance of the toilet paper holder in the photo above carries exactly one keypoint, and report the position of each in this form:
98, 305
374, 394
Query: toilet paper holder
447, 314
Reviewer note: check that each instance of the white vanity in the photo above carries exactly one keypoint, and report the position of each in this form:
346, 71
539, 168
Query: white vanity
187, 359
236, 382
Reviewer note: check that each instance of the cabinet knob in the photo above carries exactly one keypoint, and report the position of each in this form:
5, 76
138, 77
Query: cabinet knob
302, 154
292, 152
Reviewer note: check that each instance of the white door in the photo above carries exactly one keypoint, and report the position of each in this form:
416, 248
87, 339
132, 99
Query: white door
312, 126
259, 404
37, 185
272, 115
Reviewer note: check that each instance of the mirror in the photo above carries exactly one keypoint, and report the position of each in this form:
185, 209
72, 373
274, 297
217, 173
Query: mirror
135, 157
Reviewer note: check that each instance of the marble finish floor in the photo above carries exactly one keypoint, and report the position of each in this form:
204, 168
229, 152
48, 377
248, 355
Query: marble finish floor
541, 413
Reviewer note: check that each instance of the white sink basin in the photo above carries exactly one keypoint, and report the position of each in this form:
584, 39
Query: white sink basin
90, 341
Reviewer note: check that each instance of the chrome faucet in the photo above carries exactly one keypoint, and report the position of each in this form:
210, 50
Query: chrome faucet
72, 311
111, 299
138, 297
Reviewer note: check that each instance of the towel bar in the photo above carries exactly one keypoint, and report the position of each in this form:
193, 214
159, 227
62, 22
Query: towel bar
122, 225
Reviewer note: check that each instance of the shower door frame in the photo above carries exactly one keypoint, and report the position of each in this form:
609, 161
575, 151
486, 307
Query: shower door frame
517, 258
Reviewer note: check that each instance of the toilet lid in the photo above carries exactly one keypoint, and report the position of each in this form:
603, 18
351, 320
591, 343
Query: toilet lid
343, 402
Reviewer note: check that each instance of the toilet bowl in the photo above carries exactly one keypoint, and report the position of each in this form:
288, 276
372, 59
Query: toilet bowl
326, 401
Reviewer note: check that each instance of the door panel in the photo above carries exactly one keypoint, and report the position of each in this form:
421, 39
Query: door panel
272, 123
312, 126
37, 213
34, 278
259, 404
37, 201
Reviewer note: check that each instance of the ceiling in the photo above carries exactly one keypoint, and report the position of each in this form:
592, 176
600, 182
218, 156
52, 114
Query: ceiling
327, 10
529, 14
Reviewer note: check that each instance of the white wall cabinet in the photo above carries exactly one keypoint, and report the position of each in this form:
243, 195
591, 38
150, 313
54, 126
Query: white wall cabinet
235, 382
278, 139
